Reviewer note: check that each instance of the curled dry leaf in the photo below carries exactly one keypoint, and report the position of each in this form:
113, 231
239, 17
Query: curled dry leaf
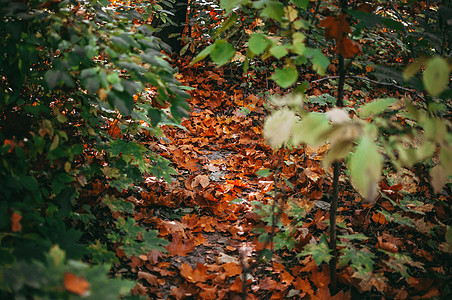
387, 246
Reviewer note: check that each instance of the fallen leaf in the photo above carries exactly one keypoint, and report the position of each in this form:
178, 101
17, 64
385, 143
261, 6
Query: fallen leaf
232, 269
75, 284
202, 180
150, 278
198, 274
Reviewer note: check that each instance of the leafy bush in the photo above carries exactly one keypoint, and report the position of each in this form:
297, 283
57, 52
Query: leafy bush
75, 76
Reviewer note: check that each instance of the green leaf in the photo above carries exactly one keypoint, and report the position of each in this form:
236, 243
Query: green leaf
29, 183
285, 77
413, 68
273, 10
361, 260
53, 77
312, 130
436, 76
203, 54
123, 101
320, 253
321, 100
229, 5
222, 52
226, 24
301, 3
354, 236
263, 172
365, 168
319, 60
237, 201
257, 43
376, 107
278, 51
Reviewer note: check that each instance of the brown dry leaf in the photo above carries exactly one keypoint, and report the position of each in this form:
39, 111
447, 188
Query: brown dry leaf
370, 280
342, 296
139, 289
183, 291
438, 178
179, 246
150, 278
320, 279
308, 265
232, 269
335, 27
198, 274
202, 180
379, 218
388, 246
172, 227
75, 284
348, 48
208, 292
285, 277
236, 286
154, 256
15, 222
322, 293
303, 285
270, 284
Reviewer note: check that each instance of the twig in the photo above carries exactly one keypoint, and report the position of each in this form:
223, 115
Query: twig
372, 81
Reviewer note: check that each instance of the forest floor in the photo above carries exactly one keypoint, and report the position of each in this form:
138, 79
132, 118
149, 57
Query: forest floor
215, 244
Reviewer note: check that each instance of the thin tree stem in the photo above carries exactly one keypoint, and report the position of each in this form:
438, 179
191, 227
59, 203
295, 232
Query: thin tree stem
340, 88
333, 212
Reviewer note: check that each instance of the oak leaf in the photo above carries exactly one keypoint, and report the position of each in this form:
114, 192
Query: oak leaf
232, 269
198, 274
303, 285
179, 246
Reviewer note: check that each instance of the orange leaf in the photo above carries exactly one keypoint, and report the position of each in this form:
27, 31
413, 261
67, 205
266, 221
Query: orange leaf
75, 284
15, 222
202, 180
335, 27
379, 218
320, 279
197, 275
232, 269
236, 286
303, 285
390, 247
348, 48
285, 277
179, 246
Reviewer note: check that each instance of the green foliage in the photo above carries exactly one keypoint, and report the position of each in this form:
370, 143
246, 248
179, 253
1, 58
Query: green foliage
401, 263
45, 279
290, 39
283, 236
320, 252
74, 78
